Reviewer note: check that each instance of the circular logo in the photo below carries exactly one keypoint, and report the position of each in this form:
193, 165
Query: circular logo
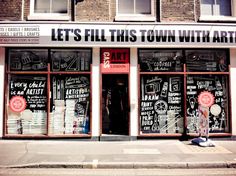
17, 104
160, 107
206, 99
215, 109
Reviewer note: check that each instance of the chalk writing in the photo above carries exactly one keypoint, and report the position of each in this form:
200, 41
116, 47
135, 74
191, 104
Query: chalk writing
161, 108
71, 60
28, 60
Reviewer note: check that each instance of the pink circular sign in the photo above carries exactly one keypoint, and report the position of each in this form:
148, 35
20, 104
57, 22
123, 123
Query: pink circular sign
206, 99
17, 104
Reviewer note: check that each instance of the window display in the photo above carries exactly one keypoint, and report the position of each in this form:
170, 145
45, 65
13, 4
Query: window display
71, 60
48, 85
169, 95
71, 96
161, 108
217, 85
160, 60
27, 105
28, 60
206, 60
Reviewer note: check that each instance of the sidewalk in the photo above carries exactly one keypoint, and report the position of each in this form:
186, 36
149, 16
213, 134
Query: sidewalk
122, 154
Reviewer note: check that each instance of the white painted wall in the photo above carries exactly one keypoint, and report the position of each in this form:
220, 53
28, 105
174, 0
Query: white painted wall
233, 88
133, 82
96, 93
2, 68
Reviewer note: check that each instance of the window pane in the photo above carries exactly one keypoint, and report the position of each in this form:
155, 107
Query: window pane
71, 104
207, 7
27, 110
161, 108
42, 6
28, 60
223, 7
143, 7
160, 60
71, 60
126, 6
217, 85
59, 6
206, 60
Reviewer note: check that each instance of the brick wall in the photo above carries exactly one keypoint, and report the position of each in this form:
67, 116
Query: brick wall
26, 9
177, 10
10, 10
93, 10
197, 9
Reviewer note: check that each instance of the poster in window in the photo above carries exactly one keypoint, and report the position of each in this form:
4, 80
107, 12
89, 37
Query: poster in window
160, 60
71, 60
71, 101
28, 60
217, 86
161, 108
27, 112
207, 60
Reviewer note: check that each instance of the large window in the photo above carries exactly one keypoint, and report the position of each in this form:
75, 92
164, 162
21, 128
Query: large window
48, 92
50, 6
49, 10
135, 10
217, 10
171, 82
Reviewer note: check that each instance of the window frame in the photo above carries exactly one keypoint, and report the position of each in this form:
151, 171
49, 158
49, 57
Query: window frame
48, 16
185, 74
136, 17
219, 17
49, 73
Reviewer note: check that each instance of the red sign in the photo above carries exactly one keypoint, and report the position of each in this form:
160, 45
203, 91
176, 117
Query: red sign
206, 99
115, 68
115, 60
17, 104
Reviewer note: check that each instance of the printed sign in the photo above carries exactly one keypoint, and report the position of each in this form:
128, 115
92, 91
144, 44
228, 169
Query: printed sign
118, 35
17, 104
115, 60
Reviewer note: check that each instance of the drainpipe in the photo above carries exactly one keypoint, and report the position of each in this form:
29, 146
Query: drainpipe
73, 13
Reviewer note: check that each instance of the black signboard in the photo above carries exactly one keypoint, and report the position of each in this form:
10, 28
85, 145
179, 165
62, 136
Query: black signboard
161, 108
218, 112
160, 60
32, 88
71, 60
75, 93
207, 60
28, 59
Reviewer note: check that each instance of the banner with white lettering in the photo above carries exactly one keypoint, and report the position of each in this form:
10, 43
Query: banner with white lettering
149, 35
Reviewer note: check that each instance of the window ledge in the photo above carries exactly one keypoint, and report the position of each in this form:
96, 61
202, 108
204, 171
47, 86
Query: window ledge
217, 18
134, 18
54, 17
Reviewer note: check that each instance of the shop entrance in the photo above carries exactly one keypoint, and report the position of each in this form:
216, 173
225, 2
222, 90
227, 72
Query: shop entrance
115, 98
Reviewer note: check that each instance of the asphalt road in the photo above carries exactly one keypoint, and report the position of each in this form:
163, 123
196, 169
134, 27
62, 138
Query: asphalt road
117, 172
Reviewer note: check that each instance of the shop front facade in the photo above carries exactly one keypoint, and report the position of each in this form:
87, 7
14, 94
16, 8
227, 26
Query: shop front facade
93, 81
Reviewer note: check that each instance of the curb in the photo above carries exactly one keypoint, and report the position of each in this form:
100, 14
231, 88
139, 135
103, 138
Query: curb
127, 165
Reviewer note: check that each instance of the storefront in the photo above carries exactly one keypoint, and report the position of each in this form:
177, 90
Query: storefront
83, 81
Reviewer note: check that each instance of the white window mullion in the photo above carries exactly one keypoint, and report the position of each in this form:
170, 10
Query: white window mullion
134, 6
50, 6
